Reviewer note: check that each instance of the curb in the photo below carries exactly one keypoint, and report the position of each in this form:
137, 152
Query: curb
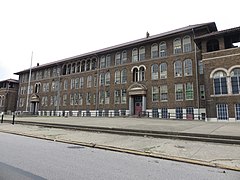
130, 151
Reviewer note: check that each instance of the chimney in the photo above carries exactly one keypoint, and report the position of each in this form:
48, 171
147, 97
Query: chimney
147, 34
37, 64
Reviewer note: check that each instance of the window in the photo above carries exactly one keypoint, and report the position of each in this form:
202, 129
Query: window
189, 91
124, 96
163, 49
117, 77
81, 82
78, 67
141, 53
82, 66
88, 65
222, 111
177, 46
134, 55
103, 62
80, 98
188, 67
135, 75
202, 92
71, 99
73, 68
200, 67
107, 78
124, 76
124, 57
155, 93
88, 98
163, 93
101, 97
117, 58
189, 113
163, 70
141, 74
108, 60
117, 96
164, 113
89, 81
94, 63
220, 83
77, 83
187, 46
107, 97
72, 83
102, 79
154, 69
235, 80
76, 99
64, 99
154, 51
179, 113
179, 92
178, 69
237, 111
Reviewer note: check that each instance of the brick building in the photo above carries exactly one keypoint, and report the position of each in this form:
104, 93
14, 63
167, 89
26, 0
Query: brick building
8, 95
162, 76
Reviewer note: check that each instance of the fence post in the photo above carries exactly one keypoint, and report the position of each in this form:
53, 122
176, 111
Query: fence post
2, 118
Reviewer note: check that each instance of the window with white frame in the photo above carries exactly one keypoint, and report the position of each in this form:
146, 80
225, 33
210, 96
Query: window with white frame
220, 83
155, 93
102, 79
72, 83
134, 55
83, 66
179, 92
107, 78
101, 97
154, 51
102, 62
154, 70
235, 80
80, 98
163, 70
117, 77
163, 93
124, 57
117, 96
141, 74
164, 113
108, 60
237, 111
135, 75
177, 46
89, 81
117, 58
123, 96
189, 91
75, 98
187, 45
88, 98
141, 53
163, 49
222, 111
64, 99
124, 76
76, 83
81, 82
94, 64
178, 68
107, 97
187, 67
73, 68
179, 113
88, 65
65, 84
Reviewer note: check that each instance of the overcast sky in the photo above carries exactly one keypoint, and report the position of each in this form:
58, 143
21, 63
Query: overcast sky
57, 29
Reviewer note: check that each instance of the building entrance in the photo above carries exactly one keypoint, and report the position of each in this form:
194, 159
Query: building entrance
137, 105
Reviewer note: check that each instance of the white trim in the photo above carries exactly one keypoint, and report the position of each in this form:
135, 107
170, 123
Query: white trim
220, 57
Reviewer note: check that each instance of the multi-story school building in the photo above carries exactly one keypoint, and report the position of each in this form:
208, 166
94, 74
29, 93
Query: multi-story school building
187, 73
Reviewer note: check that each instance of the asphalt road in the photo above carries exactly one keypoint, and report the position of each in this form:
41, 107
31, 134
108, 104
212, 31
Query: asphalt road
29, 158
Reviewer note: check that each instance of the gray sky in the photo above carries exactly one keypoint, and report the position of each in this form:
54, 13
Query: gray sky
57, 29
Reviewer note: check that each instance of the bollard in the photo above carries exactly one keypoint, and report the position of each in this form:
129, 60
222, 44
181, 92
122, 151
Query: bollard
13, 119
2, 119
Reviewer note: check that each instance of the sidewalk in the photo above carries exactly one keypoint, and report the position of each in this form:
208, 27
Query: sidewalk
212, 154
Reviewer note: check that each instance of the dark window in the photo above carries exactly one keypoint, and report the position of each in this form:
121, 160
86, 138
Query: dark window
212, 45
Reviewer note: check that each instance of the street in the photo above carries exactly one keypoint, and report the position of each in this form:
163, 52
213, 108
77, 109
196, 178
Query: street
30, 158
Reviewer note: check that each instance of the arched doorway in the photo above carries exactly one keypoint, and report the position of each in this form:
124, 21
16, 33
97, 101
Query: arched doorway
34, 104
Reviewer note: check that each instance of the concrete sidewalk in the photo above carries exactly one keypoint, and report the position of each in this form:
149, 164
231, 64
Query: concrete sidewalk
211, 154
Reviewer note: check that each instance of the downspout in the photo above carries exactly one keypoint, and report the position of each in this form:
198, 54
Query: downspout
197, 79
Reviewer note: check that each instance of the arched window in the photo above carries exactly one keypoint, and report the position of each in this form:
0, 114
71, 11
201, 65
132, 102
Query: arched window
154, 70
235, 80
82, 66
220, 83
124, 57
162, 49
141, 74
163, 70
64, 70
141, 53
88, 65
94, 64
212, 45
135, 75
107, 78
187, 45
69, 69
78, 67
188, 67
73, 67
154, 51
123, 76
177, 46
108, 60
117, 58
134, 55
103, 62
117, 77
178, 68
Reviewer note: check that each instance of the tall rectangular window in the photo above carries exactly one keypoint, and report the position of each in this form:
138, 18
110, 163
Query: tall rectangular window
117, 96
81, 82
237, 111
164, 113
222, 111
107, 97
124, 96
72, 83
65, 84
179, 113
155, 93
179, 92
64, 99
189, 91
88, 98
77, 83
163, 93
